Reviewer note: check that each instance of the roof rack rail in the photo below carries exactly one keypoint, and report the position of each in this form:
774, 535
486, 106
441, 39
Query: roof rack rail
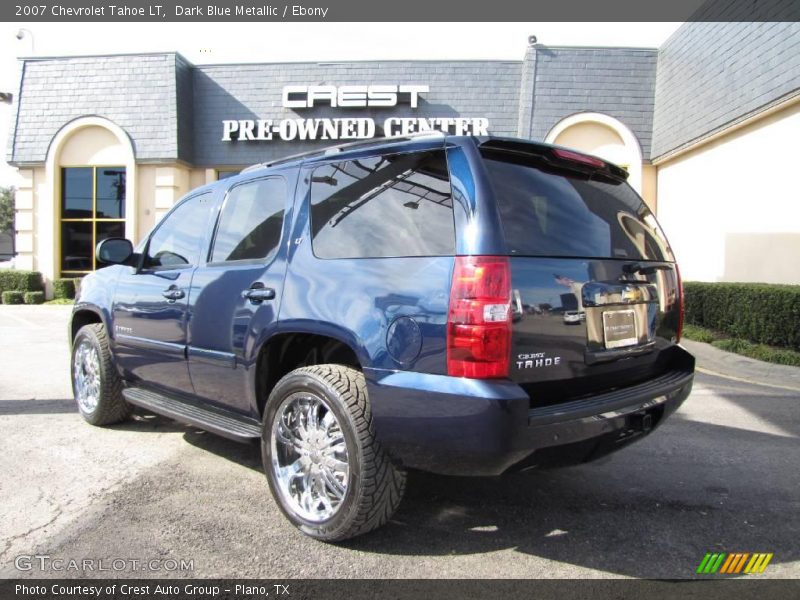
343, 147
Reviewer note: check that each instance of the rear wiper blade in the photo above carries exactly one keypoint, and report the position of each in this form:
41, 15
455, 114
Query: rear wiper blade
645, 268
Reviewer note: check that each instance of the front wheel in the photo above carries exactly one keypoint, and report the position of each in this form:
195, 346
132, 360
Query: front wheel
328, 473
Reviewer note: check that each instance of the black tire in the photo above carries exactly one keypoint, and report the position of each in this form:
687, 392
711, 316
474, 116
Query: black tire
111, 406
375, 485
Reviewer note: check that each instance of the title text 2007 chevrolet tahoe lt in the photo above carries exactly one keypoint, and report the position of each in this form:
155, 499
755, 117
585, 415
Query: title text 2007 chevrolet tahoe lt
461, 305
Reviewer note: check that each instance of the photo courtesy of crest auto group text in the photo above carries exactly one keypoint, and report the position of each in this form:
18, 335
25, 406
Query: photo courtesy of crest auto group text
376, 300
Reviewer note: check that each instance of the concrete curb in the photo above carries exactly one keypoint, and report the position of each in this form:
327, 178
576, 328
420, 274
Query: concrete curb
741, 368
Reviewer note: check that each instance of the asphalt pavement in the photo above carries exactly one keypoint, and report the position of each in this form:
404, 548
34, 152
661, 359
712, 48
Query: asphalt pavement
720, 476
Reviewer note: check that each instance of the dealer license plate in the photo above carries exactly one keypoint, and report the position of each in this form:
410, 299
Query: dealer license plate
619, 328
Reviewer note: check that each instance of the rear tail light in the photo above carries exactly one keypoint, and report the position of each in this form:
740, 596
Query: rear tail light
479, 322
681, 305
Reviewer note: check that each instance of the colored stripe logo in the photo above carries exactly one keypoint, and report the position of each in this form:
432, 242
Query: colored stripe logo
734, 563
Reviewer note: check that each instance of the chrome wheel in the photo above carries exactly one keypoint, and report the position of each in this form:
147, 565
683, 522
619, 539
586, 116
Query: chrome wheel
86, 376
309, 456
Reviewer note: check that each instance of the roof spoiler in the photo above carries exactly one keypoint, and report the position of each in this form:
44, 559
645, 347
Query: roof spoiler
556, 156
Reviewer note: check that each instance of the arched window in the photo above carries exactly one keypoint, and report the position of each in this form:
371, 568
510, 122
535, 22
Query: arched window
91, 165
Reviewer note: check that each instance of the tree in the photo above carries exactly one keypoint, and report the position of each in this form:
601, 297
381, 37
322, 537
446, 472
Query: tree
7, 208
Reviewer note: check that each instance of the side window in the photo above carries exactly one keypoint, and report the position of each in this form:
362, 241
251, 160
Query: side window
176, 242
396, 205
251, 221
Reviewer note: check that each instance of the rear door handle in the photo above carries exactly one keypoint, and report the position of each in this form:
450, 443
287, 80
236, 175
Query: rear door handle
173, 293
258, 293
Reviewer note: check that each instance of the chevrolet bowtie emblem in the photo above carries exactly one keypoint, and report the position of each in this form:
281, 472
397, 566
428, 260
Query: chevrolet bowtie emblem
630, 294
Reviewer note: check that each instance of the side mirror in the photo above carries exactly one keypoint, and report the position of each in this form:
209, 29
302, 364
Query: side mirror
114, 251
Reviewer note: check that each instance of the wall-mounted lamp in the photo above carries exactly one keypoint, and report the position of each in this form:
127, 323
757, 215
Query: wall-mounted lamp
23, 33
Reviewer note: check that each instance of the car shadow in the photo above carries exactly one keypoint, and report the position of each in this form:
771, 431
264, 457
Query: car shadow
245, 454
146, 422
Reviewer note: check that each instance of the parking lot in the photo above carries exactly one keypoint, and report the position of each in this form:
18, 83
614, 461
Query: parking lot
721, 476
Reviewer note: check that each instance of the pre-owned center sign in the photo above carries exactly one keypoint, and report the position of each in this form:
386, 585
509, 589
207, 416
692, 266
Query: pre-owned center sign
300, 97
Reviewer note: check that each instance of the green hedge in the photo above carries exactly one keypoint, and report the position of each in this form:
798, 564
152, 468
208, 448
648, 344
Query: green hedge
33, 297
22, 281
759, 312
12, 297
64, 289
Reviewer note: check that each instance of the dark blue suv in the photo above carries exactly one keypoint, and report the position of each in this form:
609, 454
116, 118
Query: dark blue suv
462, 305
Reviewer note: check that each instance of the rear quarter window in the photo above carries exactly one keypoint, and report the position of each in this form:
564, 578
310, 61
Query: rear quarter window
561, 214
384, 206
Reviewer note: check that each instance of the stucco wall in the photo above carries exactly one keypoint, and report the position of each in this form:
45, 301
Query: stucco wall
160, 187
731, 208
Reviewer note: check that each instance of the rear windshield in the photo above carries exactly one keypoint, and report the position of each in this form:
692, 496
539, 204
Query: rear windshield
561, 213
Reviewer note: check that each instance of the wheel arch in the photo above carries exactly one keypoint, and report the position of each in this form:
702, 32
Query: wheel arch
288, 349
85, 314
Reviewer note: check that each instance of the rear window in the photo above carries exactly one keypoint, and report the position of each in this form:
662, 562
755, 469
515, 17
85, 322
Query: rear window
561, 214
385, 206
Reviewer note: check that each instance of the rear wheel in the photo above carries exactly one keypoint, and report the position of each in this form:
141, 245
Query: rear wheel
325, 468
96, 385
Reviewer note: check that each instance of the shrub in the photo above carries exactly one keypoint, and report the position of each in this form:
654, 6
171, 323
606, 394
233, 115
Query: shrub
64, 288
698, 334
33, 297
759, 312
12, 297
22, 281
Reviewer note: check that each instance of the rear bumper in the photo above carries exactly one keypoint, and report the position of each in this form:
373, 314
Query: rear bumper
458, 426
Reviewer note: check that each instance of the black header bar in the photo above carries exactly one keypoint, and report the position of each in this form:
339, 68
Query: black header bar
394, 11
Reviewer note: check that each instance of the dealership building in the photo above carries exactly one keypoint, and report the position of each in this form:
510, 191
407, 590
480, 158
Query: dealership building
707, 127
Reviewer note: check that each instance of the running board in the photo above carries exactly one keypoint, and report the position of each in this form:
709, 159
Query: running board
210, 418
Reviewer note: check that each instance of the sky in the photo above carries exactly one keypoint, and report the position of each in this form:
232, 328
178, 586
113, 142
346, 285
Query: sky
204, 43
